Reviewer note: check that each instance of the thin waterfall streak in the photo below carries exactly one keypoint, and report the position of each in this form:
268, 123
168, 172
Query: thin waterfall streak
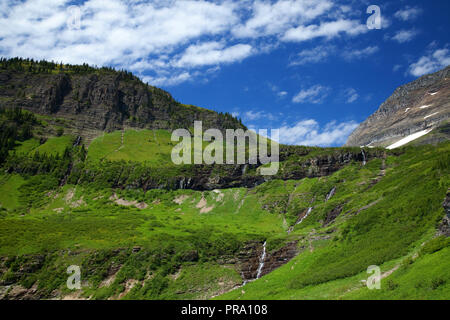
261, 261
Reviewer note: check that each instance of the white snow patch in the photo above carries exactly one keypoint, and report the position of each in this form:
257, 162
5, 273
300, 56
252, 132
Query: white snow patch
407, 109
435, 93
430, 115
409, 138
424, 107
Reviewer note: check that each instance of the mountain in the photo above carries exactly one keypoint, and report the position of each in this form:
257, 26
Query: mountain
110, 203
92, 100
419, 107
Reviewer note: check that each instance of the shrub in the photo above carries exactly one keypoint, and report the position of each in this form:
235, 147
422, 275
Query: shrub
59, 131
435, 245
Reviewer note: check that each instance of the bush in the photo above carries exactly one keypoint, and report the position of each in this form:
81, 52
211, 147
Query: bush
436, 283
391, 285
435, 245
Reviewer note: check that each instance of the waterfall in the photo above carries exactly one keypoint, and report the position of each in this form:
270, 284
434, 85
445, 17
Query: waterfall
305, 216
331, 194
244, 169
77, 142
261, 261
182, 184
364, 157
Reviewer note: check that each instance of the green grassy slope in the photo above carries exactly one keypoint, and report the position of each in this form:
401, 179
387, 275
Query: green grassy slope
151, 146
185, 244
404, 210
54, 145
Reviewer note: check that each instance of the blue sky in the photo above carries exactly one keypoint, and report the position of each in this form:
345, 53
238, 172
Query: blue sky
309, 67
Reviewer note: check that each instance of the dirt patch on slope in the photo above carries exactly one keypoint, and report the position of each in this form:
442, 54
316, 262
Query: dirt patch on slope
126, 203
180, 199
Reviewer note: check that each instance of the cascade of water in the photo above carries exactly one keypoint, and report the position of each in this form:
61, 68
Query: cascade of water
331, 194
364, 157
244, 169
305, 216
77, 142
261, 261
182, 184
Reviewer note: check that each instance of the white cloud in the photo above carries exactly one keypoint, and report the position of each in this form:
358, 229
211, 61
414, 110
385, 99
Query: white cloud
316, 94
328, 30
359, 53
403, 36
280, 93
169, 80
275, 18
409, 13
323, 52
351, 95
313, 55
258, 115
166, 42
430, 63
213, 53
309, 133
396, 67
127, 33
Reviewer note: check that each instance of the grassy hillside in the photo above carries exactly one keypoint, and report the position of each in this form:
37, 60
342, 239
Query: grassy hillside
151, 146
386, 224
133, 242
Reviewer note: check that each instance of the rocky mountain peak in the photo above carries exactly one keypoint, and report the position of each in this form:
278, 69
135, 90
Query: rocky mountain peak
419, 106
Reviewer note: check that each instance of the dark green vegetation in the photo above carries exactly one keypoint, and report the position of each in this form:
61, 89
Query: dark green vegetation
140, 227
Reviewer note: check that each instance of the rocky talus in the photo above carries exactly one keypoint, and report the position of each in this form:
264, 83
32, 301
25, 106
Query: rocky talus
417, 106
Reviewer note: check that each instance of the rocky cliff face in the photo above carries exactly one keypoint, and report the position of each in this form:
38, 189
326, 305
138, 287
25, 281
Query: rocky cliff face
444, 227
210, 177
419, 105
96, 101
250, 259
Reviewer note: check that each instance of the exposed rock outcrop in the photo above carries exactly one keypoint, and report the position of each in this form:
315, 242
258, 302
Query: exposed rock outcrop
250, 256
444, 227
211, 177
416, 106
96, 101
332, 215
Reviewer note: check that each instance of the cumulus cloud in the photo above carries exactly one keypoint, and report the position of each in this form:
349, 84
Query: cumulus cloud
315, 95
432, 62
213, 53
310, 133
166, 42
327, 29
169, 80
275, 18
408, 13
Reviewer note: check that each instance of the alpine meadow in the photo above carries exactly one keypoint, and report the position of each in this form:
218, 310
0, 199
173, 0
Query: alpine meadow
93, 205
